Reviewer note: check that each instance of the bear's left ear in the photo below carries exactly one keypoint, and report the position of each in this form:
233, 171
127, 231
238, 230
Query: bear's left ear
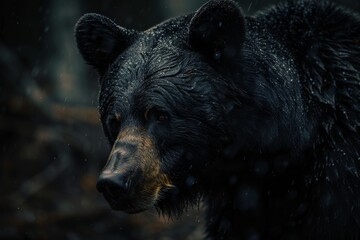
100, 40
217, 30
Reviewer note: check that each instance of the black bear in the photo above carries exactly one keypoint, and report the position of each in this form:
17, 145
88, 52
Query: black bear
257, 116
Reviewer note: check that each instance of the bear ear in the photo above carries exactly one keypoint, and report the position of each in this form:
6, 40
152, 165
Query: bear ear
217, 30
100, 40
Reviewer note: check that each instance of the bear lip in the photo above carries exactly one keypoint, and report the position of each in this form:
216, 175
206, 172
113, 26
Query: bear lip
124, 205
128, 209
133, 206
128, 204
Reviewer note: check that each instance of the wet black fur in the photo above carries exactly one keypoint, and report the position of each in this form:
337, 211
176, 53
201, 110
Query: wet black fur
263, 113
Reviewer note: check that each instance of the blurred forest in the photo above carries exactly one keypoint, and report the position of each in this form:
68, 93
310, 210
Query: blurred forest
52, 146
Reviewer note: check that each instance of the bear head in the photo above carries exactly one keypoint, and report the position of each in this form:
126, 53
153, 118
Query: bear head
163, 97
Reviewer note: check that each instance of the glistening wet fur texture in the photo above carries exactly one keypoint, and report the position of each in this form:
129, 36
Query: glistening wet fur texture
327, 53
259, 116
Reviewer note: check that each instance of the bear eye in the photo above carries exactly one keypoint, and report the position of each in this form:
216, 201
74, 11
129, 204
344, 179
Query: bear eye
156, 115
162, 117
113, 123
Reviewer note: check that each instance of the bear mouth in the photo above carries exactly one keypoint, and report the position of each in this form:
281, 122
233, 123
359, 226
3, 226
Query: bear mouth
138, 203
127, 205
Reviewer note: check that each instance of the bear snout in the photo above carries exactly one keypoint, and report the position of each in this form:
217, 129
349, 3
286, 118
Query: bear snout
132, 179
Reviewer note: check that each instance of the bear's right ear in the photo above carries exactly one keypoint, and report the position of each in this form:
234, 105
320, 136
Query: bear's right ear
100, 40
217, 30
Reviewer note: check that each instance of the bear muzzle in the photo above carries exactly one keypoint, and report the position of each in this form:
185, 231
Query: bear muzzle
132, 180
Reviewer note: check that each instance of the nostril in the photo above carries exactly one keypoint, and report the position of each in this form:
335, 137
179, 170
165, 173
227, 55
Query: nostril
114, 184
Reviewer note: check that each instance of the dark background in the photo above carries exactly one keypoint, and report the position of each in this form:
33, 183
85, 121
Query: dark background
51, 142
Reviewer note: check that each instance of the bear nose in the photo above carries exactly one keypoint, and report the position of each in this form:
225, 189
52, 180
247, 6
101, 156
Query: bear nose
114, 184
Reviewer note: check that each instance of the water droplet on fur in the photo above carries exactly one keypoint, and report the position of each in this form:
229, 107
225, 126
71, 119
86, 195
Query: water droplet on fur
248, 198
190, 181
217, 55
